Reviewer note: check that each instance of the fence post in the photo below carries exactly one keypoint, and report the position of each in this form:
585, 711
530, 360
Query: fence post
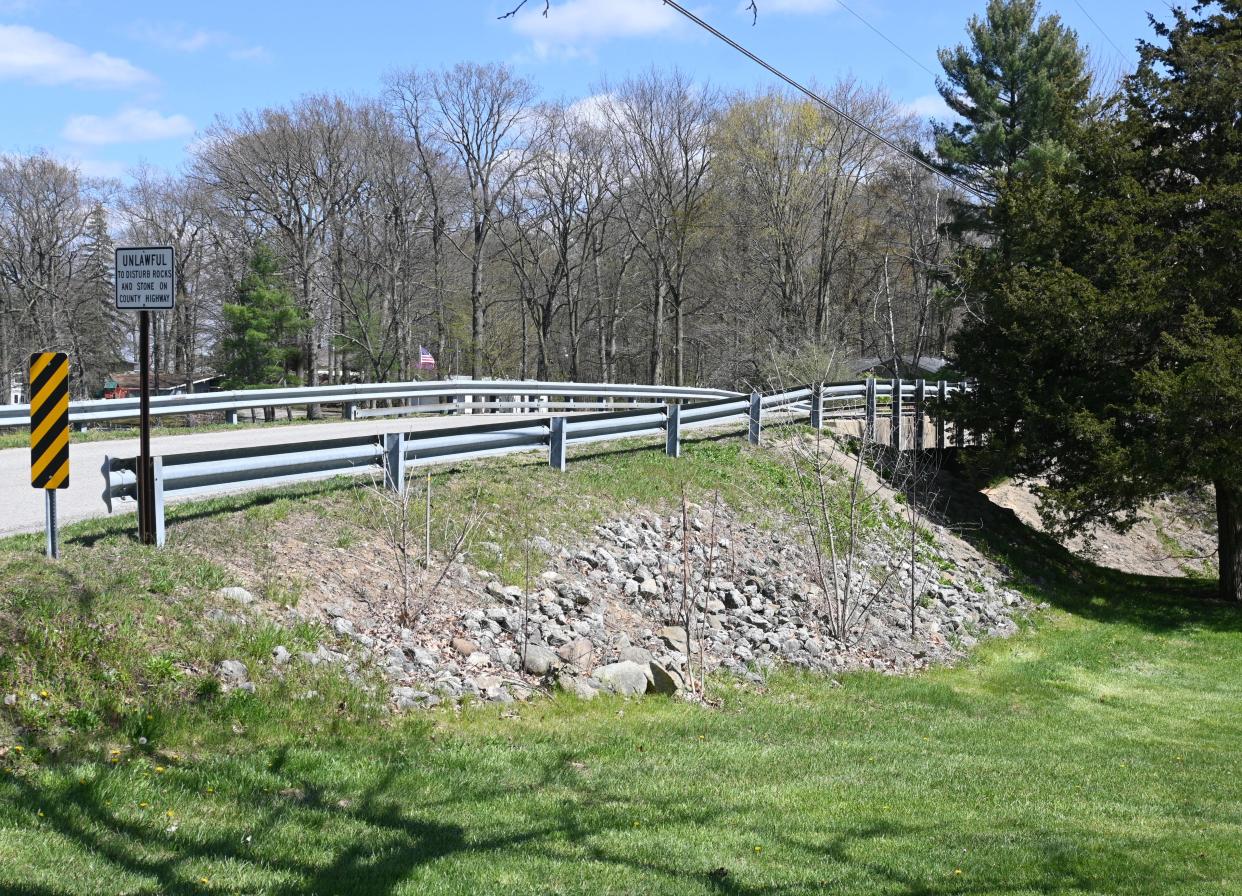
756, 417
394, 462
894, 433
920, 412
870, 412
959, 432
556, 443
672, 429
817, 406
157, 482
942, 392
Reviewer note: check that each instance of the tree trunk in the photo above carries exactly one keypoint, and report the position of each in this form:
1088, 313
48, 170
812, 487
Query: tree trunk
656, 369
476, 305
1229, 538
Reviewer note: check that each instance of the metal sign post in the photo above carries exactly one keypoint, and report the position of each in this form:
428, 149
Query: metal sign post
49, 433
145, 282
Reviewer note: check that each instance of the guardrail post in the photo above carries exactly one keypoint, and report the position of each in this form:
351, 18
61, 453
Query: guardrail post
394, 462
942, 392
556, 443
230, 417
756, 417
672, 429
959, 432
817, 406
157, 482
349, 411
894, 433
920, 412
869, 411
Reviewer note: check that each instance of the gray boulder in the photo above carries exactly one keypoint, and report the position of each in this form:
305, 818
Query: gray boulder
232, 673
579, 685
664, 681
625, 678
240, 595
639, 655
539, 660
578, 653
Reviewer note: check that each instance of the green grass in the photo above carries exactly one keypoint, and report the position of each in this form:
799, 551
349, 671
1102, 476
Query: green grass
1097, 752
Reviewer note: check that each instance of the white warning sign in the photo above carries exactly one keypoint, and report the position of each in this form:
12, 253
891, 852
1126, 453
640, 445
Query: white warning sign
145, 278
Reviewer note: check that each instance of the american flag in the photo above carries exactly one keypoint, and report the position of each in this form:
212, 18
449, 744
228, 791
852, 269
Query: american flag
426, 361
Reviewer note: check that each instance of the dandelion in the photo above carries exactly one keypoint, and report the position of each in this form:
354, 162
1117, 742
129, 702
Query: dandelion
40, 813
169, 813
957, 870
144, 805
159, 769
43, 694
211, 790
203, 880
758, 849
19, 748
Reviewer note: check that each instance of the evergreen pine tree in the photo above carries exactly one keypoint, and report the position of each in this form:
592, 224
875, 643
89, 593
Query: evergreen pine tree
1108, 347
1020, 87
260, 345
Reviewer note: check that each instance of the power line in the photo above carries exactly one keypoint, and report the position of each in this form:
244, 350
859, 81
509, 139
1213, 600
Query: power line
903, 51
960, 184
889, 40
1101, 30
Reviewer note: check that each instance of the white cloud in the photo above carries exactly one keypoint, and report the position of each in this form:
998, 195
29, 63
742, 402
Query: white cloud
99, 167
130, 125
181, 39
251, 54
42, 58
574, 25
931, 105
592, 109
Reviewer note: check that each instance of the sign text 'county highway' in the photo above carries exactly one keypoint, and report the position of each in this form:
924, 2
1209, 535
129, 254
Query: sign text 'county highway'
145, 279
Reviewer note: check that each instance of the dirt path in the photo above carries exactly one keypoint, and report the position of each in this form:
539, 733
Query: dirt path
1175, 536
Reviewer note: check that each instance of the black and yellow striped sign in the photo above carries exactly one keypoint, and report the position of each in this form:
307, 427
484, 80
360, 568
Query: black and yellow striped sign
49, 420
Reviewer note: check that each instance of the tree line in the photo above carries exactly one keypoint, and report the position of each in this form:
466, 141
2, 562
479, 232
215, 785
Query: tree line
659, 231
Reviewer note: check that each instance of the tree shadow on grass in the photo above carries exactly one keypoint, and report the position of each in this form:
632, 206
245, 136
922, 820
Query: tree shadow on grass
384, 836
1054, 861
1065, 580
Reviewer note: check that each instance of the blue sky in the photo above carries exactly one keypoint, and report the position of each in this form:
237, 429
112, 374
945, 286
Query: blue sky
109, 85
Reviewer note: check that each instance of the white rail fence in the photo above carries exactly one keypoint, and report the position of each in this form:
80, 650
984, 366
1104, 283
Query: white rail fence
434, 396
211, 472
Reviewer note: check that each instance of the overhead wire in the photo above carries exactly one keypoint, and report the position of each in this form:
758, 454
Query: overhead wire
900, 49
832, 107
1100, 29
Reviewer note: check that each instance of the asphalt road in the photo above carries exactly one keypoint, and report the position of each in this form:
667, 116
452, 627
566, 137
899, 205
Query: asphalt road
22, 507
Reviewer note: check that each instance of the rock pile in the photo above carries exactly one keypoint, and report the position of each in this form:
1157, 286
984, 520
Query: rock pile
608, 614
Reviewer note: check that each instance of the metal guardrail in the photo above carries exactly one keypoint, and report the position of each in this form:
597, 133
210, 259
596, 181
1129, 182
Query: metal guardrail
453, 395
208, 472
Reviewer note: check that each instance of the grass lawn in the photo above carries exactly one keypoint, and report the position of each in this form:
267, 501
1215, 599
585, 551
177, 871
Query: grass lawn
1097, 752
